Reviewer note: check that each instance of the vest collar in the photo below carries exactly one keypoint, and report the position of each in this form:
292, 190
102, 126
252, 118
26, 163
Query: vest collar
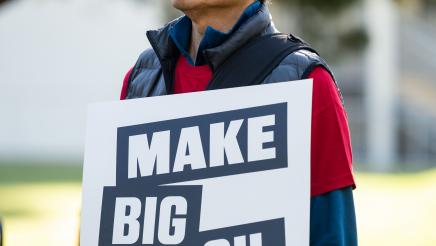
167, 52
180, 33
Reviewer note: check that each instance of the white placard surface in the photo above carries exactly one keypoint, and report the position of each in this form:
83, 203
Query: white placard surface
226, 167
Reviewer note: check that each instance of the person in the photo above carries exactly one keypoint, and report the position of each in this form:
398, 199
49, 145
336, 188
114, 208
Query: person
186, 52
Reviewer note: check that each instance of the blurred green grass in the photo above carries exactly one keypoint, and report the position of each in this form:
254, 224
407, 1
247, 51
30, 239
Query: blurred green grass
40, 205
18, 173
396, 209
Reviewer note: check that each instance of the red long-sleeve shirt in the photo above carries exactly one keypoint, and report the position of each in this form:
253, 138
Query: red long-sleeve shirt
331, 157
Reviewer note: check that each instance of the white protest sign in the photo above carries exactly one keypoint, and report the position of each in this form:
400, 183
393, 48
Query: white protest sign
217, 168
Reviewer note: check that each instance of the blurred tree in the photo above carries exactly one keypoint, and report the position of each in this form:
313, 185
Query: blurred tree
326, 25
3, 1
331, 6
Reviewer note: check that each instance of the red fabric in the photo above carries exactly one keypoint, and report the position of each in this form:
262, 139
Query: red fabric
125, 84
189, 78
331, 156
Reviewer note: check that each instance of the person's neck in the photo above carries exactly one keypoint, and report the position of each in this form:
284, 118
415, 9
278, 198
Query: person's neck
221, 19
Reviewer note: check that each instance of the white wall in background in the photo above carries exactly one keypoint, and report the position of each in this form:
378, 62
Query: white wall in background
55, 58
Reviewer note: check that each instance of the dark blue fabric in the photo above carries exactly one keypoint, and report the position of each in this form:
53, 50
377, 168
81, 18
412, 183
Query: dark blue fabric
180, 33
333, 219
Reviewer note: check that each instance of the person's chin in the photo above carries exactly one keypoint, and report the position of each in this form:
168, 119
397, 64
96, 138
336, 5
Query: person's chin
184, 5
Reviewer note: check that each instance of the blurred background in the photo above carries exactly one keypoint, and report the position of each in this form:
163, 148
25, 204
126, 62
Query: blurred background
57, 56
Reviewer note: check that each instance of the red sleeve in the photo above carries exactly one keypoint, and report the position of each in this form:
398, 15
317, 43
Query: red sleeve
331, 156
125, 85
